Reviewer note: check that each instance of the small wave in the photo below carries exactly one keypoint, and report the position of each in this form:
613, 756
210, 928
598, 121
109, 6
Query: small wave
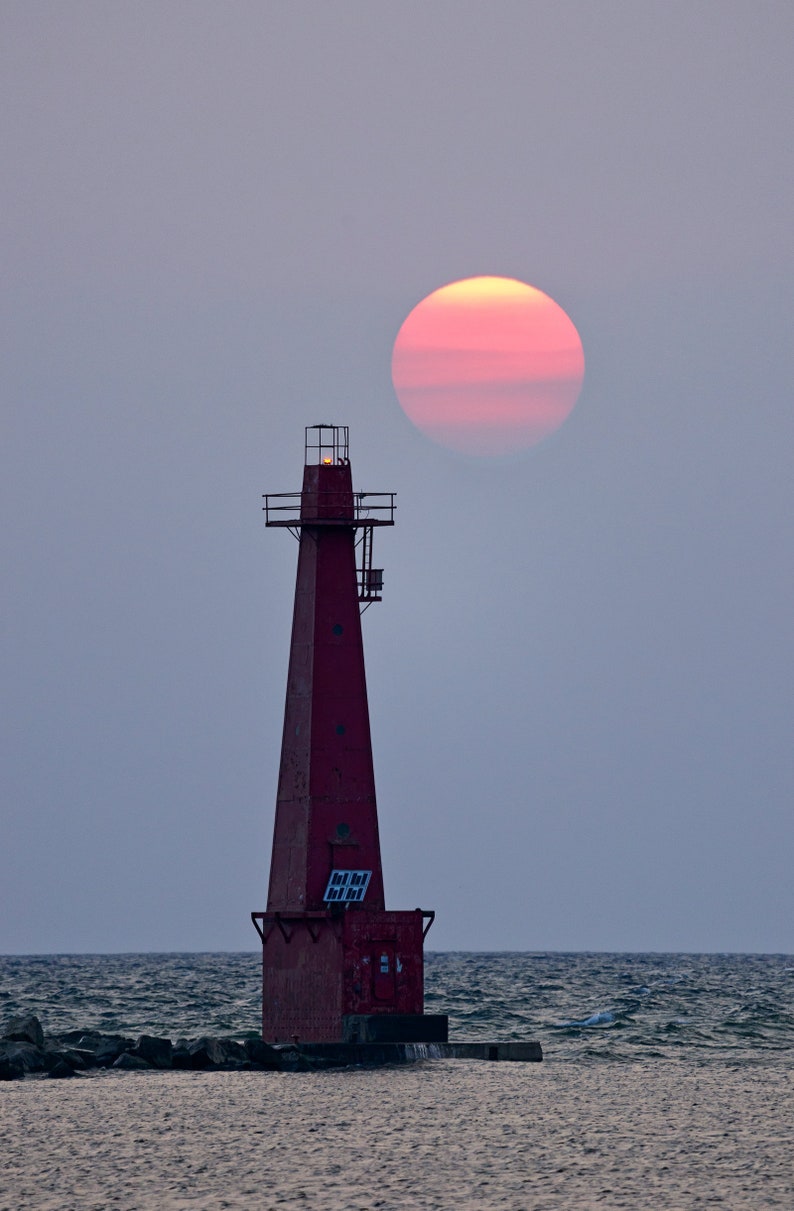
595, 1019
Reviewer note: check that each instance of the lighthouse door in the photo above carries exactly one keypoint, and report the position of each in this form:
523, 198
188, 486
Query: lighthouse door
384, 986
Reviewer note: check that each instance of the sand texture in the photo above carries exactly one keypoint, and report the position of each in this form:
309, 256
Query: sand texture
450, 1134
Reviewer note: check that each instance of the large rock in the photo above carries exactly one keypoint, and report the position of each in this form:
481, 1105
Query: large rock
180, 1054
99, 1050
89, 1040
157, 1052
61, 1070
233, 1054
200, 1053
76, 1057
130, 1063
30, 1058
25, 1029
77, 1050
261, 1054
11, 1067
110, 1047
81, 1038
216, 1053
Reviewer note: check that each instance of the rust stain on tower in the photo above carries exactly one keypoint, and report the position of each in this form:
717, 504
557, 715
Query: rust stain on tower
337, 966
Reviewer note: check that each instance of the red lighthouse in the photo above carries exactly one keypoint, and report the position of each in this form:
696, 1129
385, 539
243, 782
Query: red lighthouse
336, 965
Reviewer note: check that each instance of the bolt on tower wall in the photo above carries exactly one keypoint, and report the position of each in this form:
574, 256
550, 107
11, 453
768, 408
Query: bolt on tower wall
336, 965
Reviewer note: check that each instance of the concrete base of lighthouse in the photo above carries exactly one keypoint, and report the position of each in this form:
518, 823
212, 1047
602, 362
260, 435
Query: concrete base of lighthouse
307, 1056
395, 1028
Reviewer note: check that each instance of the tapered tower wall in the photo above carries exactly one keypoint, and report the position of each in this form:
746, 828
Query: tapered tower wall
335, 962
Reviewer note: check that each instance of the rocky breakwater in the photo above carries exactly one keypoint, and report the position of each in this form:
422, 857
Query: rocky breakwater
25, 1050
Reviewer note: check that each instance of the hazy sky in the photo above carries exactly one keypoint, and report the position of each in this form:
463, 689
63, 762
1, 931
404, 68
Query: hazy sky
215, 218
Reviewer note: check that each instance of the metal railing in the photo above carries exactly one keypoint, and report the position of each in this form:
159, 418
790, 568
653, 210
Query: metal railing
369, 508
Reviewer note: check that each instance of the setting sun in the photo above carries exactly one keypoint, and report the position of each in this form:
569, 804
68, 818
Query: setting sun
487, 366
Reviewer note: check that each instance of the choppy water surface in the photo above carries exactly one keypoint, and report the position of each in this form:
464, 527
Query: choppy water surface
580, 1006
608, 1007
667, 1083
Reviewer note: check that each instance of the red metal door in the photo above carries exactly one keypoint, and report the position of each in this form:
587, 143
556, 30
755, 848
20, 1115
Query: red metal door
384, 985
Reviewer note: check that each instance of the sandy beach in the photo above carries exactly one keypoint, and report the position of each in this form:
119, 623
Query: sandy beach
655, 1134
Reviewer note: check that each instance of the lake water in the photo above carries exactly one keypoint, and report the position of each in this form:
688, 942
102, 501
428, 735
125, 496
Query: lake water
667, 1082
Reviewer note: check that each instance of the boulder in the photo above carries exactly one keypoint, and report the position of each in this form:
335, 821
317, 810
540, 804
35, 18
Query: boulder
81, 1053
261, 1054
203, 1053
11, 1068
216, 1053
157, 1052
29, 1057
61, 1070
80, 1038
180, 1055
99, 1050
91, 1040
25, 1029
75, 1057
232, 1053
110, 1047
78, 1050
129, 1063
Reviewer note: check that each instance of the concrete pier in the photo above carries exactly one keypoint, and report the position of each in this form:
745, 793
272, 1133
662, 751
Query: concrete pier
370, 1055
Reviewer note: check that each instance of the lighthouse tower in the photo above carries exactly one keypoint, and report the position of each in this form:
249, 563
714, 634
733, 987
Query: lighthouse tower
336, 965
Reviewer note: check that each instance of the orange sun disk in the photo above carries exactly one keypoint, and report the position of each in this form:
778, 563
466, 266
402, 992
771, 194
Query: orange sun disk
487, 365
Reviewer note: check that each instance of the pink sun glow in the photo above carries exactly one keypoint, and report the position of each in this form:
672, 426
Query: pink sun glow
487, 366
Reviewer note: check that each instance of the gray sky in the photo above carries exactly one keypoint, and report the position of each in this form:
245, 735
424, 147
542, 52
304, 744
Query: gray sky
215, 218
